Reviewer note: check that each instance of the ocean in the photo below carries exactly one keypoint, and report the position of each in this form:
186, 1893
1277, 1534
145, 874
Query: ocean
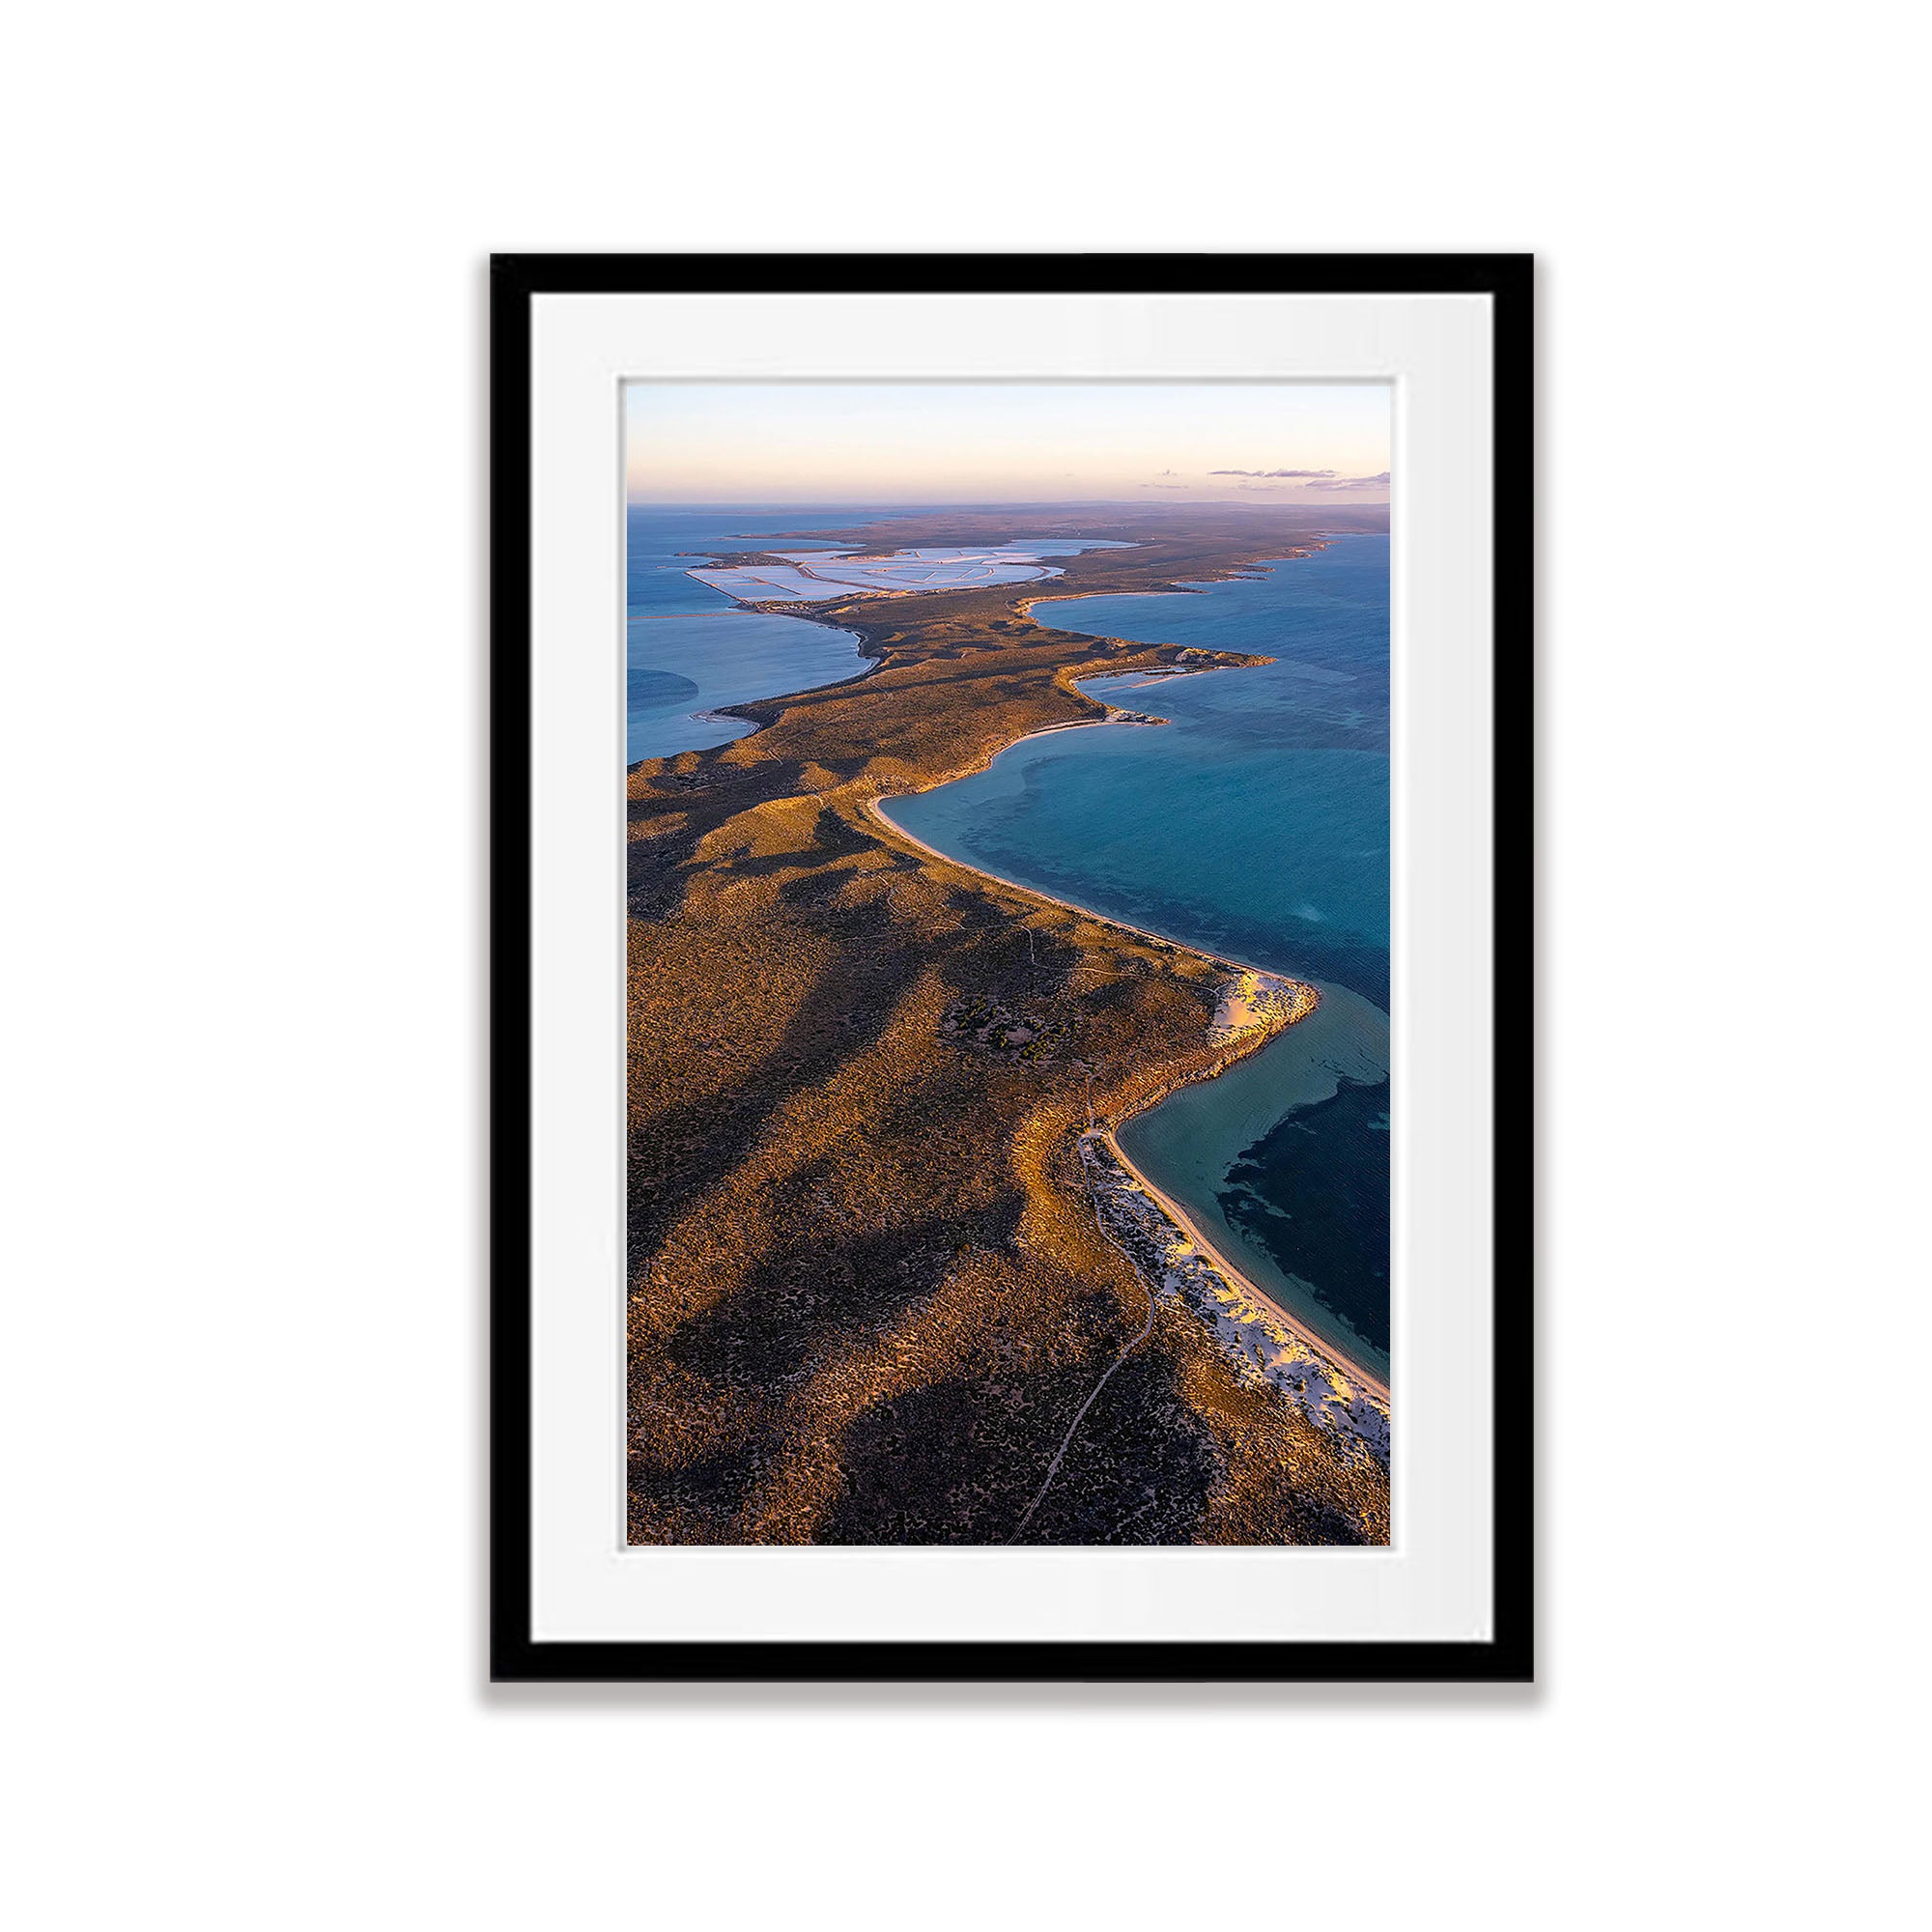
690, 648
1253, 824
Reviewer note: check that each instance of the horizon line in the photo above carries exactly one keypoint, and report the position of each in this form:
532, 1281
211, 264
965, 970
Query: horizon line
1327, 499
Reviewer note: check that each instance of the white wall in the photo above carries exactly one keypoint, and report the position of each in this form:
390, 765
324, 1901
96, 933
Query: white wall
241, 1401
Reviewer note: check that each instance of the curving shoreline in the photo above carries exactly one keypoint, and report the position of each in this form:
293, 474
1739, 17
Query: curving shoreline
861, 1304
1186, 1229
874, 808
1186, 1225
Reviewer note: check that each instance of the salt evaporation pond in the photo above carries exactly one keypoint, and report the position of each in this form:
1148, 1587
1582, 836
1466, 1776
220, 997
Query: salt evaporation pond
819, 577
695, 644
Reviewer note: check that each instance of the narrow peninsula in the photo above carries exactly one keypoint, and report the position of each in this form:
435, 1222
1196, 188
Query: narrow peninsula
891, 1280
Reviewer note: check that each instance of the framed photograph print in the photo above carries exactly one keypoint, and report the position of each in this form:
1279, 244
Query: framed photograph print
1010, 967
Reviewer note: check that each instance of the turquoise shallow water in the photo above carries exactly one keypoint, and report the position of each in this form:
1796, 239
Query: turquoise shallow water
1254, 824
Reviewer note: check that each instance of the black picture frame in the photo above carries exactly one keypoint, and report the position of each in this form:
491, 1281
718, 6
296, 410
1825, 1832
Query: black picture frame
517, 280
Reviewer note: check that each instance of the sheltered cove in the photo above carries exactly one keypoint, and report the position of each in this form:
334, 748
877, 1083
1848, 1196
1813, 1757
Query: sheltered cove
1167, 1247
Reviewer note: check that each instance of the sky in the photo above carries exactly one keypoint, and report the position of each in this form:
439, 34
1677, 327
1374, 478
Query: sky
1006, 442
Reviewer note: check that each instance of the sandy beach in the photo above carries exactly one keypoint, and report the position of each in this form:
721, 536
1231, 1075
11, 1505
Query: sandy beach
1238, 1018
1354, 1372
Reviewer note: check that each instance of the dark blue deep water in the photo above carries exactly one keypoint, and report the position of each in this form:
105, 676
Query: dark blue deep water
1312, 1193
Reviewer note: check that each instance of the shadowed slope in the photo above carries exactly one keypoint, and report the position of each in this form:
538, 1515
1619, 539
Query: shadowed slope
867, 1296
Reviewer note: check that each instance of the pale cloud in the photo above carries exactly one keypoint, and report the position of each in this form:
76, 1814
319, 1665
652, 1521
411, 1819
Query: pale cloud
1354, 482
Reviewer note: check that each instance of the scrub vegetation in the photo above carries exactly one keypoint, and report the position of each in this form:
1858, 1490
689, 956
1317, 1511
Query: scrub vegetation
868, 1293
